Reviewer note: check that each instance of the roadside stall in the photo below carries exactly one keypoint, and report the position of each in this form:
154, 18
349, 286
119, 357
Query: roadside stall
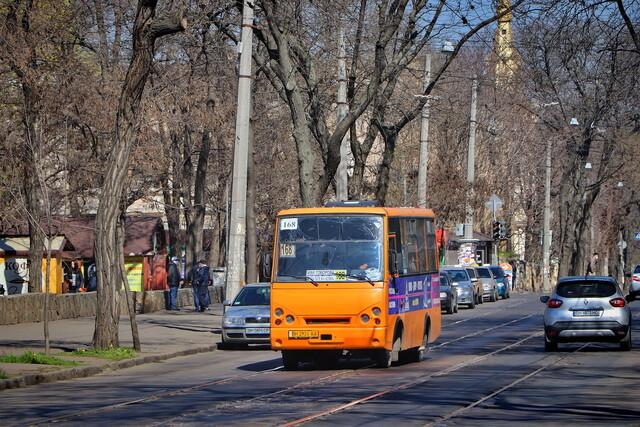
14, 269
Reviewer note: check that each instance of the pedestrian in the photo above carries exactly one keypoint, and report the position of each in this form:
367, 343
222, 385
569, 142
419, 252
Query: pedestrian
593, 266
199, 277
92, 280
173, 278
77, 281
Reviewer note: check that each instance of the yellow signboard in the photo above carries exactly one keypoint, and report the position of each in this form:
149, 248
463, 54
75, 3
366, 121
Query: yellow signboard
135, 269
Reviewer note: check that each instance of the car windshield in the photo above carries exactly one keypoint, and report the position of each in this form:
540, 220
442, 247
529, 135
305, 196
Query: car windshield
330, 248
498, 273
253, 295
444, 282
483, 273
587, 289
458, 275
471, 272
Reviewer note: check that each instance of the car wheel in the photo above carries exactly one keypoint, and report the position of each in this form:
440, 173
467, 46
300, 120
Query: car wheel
456, 307
550, 346
625, 344
493, 297
450, 308
472, 304
290, 360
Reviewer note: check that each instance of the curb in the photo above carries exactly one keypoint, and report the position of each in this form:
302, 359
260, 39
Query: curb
82, 372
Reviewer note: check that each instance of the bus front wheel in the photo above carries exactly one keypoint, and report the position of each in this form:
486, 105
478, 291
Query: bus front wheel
384, 357
290, 360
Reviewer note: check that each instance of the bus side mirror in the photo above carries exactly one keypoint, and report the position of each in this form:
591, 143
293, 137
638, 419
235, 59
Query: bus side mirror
394, 262
265, 267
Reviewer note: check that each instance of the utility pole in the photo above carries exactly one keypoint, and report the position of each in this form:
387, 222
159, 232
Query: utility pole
235, 271
471, 157
546, 237
342, 180
424, 138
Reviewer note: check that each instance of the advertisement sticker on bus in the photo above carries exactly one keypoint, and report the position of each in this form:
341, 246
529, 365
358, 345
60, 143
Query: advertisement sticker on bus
327, 275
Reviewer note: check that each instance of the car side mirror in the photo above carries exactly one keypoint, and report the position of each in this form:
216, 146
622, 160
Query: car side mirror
474, 279
226, 303
545, 299
630, 298
265, 266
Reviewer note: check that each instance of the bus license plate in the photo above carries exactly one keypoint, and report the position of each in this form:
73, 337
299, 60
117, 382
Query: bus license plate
258, 331
586, 313
303, 335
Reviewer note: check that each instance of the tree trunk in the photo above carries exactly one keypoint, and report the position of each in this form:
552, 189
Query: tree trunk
196, 223
108, 253
131, 307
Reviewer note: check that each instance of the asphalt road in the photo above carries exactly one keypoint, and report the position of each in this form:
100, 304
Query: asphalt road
487, 368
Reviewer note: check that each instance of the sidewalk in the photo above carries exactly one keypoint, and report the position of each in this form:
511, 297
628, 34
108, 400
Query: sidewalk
163, 335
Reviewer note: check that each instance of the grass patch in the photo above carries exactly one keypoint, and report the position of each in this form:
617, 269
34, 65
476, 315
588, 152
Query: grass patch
35, 359
3, 375
114, 353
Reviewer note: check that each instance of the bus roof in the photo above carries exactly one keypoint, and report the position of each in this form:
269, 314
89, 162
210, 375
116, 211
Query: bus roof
409, 212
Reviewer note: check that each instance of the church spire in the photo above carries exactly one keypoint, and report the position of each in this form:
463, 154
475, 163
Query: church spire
506, 56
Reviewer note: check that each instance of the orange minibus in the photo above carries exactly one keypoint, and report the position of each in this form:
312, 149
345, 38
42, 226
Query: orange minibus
354, 277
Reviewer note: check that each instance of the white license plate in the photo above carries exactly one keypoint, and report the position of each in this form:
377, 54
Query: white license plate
443, 294
257, 331
586, 313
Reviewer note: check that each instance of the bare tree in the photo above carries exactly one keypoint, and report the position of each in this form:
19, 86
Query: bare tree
147, 29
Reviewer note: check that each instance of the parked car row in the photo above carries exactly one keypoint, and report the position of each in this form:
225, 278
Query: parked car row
469, 286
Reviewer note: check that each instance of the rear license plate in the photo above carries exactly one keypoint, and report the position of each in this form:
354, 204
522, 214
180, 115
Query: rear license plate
303, 335
258, 331
586, 313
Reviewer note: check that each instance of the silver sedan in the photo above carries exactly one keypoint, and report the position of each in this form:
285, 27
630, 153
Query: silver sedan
590, 308
246, 320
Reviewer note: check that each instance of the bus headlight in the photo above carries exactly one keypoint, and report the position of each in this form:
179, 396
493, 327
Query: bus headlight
376, 311
364, 317
289, 318
278, 312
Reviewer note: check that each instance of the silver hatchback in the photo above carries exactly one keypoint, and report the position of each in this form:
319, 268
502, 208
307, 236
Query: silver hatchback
246, 320
590, 308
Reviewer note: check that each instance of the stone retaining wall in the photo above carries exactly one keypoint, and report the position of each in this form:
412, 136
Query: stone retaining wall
30, 307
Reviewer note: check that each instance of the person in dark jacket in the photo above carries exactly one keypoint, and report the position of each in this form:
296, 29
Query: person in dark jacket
199, 278
173, 279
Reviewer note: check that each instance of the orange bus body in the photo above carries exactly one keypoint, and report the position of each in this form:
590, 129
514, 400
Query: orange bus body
357, 315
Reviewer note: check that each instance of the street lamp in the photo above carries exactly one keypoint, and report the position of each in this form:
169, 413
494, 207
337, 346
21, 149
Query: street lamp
447, 48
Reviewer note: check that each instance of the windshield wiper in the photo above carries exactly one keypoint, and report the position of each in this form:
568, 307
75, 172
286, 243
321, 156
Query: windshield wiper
361, 277
303, 277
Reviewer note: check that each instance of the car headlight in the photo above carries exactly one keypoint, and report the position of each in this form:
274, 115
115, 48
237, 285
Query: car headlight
231, 321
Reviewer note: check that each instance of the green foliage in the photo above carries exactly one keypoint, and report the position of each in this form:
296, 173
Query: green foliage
36, 359
113, 353
3, 375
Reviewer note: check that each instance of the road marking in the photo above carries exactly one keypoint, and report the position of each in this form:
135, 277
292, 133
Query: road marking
404, 386
502, 389
482, 331
483, 315
154, 397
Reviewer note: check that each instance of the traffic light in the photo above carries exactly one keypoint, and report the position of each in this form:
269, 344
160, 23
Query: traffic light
496, 230
502, 230
507, 231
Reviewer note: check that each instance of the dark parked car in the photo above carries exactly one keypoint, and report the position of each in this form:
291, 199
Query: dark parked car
501, 280
448, 295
